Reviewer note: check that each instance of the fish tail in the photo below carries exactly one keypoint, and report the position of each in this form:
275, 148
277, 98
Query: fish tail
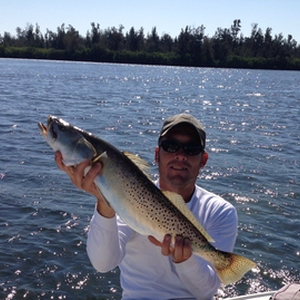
239, 265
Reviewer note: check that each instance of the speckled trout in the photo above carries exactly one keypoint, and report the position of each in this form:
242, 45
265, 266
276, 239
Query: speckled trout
136, 199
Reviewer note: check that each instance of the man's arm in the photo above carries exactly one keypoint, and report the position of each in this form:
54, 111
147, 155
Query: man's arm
105, 238
106, 242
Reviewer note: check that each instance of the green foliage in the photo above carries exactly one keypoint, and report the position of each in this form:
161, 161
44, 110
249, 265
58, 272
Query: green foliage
227, 48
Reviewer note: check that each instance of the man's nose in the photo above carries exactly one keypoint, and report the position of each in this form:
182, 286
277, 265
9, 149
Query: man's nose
181, 155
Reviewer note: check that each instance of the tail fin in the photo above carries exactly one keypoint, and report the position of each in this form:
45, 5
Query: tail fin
238, 267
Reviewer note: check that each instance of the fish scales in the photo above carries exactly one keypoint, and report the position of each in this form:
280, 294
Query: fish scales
150, 204
143, 198
135, 198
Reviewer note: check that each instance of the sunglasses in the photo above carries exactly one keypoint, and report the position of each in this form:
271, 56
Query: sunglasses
172, 146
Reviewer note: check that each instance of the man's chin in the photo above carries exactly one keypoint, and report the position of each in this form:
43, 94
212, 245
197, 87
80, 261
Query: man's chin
178, 179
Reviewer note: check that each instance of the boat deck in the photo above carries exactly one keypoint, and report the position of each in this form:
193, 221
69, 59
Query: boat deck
258, 296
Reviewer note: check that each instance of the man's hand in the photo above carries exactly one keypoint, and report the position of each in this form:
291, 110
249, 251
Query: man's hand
76, 174
86, 182
180, 252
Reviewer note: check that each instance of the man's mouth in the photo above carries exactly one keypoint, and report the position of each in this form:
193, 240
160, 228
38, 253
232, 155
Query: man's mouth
178, 168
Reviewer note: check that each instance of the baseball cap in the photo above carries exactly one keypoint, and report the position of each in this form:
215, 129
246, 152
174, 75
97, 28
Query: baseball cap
173, 121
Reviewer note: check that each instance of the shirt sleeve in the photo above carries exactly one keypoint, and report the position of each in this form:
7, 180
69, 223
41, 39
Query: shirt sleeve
106, 242
223, 228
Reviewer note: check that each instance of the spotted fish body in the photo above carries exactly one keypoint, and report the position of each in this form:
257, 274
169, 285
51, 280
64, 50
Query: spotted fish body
135, 198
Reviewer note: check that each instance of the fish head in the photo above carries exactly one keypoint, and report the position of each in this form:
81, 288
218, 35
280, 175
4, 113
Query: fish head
68, 139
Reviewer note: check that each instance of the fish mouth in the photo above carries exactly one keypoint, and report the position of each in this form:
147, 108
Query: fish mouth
49, 128
43, 128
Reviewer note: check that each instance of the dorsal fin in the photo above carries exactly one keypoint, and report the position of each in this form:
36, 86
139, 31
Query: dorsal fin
141, 163
178, 201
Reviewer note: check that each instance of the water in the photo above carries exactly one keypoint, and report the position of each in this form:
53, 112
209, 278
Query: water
252, 121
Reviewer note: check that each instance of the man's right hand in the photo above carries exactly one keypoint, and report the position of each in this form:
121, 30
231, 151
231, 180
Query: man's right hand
86, 182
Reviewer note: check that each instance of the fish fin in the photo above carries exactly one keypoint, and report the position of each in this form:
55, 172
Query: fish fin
239, 265
82, 149
178, 201
100, 156
81, 146
141, 163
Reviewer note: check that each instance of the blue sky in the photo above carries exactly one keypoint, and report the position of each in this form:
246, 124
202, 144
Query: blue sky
169, 16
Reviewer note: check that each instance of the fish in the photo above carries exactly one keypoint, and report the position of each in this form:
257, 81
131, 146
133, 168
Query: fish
127, 187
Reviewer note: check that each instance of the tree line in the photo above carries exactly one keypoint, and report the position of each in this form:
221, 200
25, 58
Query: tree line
226, 48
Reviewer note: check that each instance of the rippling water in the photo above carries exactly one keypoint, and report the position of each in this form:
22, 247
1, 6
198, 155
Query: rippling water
252, 121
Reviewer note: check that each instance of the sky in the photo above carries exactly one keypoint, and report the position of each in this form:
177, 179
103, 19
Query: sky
168, 16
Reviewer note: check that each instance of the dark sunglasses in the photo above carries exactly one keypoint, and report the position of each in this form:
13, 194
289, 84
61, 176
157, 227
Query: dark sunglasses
172, 146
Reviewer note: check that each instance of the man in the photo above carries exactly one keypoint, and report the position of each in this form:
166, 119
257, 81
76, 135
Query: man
151, 269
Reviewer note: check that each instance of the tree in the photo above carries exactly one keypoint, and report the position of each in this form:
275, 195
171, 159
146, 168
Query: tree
222, 45
183, 43
7, 40
257, 40
235, 29
227, 48
132, 40
114, 38
267, 49
59, 44
95, 34
166, 43
196, 44
71, 39
152, 41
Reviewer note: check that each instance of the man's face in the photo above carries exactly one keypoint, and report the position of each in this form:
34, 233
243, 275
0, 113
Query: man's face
179, 170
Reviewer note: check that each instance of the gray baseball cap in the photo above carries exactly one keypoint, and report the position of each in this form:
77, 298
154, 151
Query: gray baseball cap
173, 121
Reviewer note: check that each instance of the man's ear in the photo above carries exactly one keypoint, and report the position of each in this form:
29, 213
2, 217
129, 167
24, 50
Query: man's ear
156, 154
204, 159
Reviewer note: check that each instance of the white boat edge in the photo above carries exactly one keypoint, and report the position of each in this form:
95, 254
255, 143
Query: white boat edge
257, 296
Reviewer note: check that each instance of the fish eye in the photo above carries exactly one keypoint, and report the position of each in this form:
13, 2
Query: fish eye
61, 128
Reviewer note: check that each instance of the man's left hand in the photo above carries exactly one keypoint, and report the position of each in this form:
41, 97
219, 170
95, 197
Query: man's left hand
180, 252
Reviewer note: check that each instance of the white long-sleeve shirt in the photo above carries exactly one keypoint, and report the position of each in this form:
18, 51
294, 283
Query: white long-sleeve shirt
145, 272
